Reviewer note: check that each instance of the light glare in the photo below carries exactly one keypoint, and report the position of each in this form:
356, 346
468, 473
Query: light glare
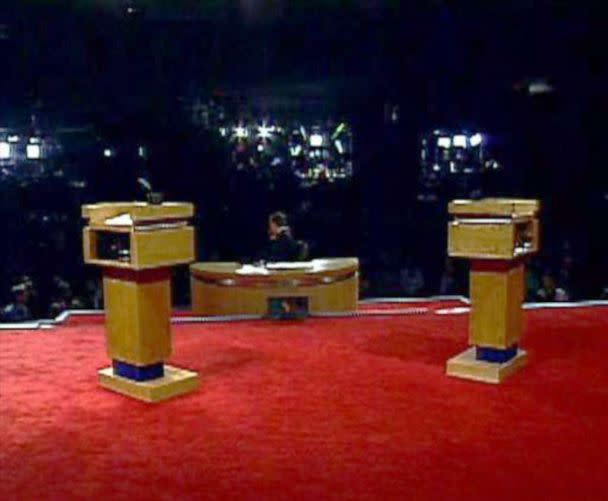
264, 131
5, 151
444, 142
316, 140
241, 132
476, 139
33, 151
460, 141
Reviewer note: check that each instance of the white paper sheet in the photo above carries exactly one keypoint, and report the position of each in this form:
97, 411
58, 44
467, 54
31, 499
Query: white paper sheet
249, 269
120, 220
296, 265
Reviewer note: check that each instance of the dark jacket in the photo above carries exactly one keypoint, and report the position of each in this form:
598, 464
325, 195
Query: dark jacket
283, 248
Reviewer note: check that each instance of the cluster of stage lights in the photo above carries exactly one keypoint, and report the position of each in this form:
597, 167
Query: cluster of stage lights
10, 148
316, 153
460, 141
316, 139
455, 153
454, 159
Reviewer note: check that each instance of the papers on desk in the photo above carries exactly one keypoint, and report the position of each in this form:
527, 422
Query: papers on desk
120, 220
125, 220
307, 266
249, 269
296, 265
485, 220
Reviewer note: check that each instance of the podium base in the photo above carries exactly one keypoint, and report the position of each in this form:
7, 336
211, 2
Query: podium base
175, 382
466, 366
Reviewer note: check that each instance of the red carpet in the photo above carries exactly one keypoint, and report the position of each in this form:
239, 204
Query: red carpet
322, 409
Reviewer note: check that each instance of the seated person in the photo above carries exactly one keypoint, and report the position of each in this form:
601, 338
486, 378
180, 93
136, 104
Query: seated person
282, 246
18, 310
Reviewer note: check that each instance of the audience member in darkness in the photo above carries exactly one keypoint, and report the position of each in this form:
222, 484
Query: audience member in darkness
56, 309
411, 278
62, 297
532, 282
384, 276
548, 288
94, 294
561, 294
447, 282
32, 297
565, 280
17, 310
77, 303
365, 286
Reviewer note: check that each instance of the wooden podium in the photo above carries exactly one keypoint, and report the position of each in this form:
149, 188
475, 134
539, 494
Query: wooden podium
136, 243
497, 235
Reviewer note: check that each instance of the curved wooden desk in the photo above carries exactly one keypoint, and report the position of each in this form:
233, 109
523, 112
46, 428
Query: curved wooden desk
217, 289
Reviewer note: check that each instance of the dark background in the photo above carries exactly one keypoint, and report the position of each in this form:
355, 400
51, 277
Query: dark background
123, 72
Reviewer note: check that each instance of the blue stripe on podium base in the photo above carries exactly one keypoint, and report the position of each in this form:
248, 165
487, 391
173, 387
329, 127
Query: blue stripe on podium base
138, 373
495, 355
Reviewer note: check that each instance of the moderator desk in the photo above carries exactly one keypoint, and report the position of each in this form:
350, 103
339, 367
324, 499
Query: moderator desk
331, 285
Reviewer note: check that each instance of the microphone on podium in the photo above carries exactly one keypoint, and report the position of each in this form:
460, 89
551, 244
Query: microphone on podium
153, 197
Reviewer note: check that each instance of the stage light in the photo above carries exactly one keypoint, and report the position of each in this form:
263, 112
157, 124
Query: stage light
339, 130
108, 153
33, 151
132, 9
5, 151
260, 147
436, 168
265, 132
539, 87
13, 138
339, 146
141, 151
460, 141
476, 139
444, 142
223, 131
241, 132
316, 140
303, 132
395, 114
295, 150
34, 140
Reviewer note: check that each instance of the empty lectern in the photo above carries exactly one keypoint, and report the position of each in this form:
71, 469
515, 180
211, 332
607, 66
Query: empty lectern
136, 244
496, 234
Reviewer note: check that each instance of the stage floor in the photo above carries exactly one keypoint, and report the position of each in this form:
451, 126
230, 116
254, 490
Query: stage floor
319, 409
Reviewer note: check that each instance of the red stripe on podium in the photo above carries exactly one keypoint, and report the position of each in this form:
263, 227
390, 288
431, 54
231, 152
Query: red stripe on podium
493, 265
138, 276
